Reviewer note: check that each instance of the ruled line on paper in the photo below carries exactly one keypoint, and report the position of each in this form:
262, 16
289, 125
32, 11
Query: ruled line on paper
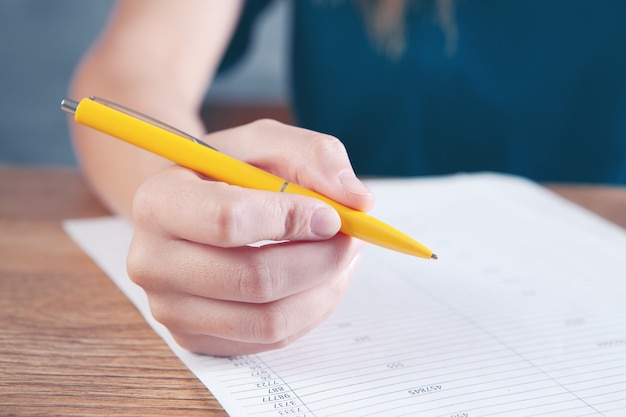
381, 386
481, 332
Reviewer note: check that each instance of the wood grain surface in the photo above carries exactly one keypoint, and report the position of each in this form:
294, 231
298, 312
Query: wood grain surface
71, 344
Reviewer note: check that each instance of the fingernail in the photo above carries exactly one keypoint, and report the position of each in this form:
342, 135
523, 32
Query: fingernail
352, 184
325, 222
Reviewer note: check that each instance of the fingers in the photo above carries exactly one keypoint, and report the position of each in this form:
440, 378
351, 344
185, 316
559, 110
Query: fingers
311, 159
191, 248
227, 299
180, 204
215, 346
253, 275
226, 328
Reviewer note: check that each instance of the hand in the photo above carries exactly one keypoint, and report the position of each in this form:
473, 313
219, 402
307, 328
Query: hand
190, 252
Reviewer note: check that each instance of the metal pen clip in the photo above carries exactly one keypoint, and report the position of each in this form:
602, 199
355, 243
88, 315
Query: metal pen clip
70, 106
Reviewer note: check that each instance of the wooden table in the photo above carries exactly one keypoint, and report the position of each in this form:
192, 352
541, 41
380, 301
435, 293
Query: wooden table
70, 341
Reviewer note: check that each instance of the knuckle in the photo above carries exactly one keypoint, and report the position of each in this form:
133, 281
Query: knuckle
162, 312
138, 267
257, 282
166, 308
142, 206
321, 146
296, 222
226, 220
270, 326
265, 123
189, 342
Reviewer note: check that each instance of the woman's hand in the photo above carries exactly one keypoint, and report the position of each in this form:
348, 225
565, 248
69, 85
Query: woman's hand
190, 252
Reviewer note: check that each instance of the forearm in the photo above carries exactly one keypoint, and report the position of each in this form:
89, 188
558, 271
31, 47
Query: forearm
157, 57
115, 169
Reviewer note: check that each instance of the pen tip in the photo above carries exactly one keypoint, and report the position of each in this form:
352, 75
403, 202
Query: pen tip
434, 256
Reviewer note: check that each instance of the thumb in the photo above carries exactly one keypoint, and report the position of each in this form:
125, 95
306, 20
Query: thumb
280, 216
183, 205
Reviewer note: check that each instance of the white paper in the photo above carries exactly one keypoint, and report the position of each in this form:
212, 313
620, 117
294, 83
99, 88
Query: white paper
524, 314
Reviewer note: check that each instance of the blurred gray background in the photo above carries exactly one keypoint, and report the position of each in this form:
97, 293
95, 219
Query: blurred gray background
42, 40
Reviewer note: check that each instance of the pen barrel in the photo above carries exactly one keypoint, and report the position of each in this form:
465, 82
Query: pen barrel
178, 149
361, 225
222, 167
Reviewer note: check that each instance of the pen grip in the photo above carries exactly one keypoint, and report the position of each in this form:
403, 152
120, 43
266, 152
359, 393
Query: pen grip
222, 167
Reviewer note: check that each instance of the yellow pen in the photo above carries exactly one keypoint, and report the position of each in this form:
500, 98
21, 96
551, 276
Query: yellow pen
187, 151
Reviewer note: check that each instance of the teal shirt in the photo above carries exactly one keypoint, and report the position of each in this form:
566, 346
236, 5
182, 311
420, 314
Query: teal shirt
535, 88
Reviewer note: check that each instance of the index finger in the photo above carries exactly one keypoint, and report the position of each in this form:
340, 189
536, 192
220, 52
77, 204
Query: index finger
311, 159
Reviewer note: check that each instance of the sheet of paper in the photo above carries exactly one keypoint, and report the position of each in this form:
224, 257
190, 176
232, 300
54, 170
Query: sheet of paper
524, 314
